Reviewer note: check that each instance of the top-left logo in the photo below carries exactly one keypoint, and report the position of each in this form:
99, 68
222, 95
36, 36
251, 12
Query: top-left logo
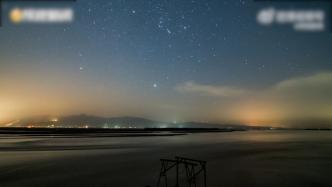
41, 15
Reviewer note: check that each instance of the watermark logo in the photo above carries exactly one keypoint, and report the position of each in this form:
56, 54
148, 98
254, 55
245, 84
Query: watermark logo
300, 20
266, 16
16, 15
41, 15
305, 20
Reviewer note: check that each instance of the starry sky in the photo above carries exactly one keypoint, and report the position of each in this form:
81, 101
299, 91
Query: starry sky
169, 60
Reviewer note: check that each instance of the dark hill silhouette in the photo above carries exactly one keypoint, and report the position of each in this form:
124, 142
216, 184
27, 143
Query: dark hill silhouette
82, 120
91, 121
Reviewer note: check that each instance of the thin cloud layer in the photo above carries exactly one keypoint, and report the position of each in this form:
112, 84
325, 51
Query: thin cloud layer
209, 90
307, 98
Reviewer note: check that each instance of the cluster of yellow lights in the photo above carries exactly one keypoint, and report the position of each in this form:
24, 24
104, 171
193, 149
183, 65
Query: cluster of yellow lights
54, 120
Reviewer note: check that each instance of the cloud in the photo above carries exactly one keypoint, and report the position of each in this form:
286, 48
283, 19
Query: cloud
317, 85
209, 90
309, 96
320, 83
304, 100
313, 91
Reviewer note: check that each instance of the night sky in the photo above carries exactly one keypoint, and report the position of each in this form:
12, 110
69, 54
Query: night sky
170, 60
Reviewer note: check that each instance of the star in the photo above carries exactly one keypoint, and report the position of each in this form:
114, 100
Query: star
155, 85
169, 31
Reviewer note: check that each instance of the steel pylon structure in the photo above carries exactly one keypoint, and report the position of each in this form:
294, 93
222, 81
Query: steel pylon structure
192, 167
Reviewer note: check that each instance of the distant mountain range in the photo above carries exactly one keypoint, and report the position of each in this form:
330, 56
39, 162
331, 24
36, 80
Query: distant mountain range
89, 121
82, 121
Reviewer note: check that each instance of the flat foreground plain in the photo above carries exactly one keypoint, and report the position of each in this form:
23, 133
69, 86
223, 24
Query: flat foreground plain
234, 159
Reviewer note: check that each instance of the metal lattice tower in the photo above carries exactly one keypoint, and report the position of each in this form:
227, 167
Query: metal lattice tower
193, 168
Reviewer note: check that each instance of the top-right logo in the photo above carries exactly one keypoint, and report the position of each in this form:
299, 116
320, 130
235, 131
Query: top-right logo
306, 20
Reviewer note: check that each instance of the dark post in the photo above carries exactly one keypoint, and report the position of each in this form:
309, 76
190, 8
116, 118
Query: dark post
177, 173
205, 184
